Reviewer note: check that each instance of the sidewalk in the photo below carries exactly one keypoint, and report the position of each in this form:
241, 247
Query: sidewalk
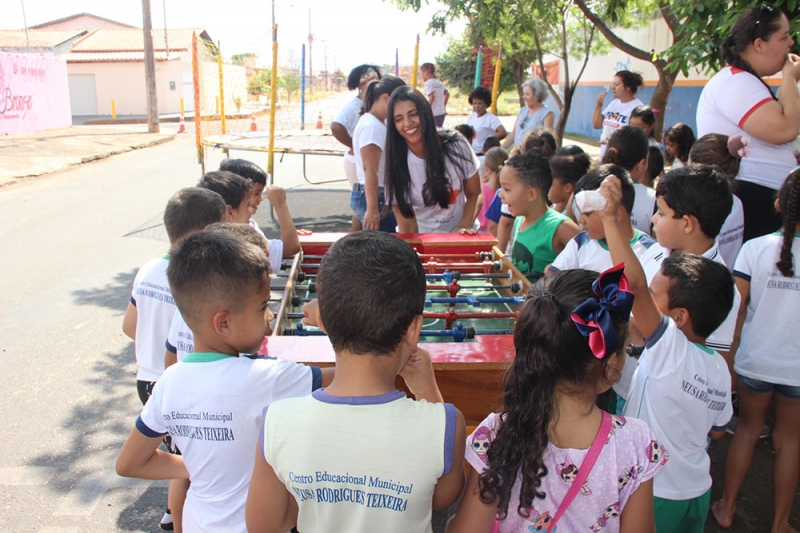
33, 154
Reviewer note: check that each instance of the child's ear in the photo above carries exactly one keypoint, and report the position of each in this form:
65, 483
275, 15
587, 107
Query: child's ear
411, 336
320, 323
569, 188
777, 205
681, 317
690, 224
533, 194
221, 324
641, 167
621, 213
228, 213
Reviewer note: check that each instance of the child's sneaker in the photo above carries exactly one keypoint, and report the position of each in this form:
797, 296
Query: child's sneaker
166, 521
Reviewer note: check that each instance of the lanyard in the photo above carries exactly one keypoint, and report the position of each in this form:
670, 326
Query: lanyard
586, 467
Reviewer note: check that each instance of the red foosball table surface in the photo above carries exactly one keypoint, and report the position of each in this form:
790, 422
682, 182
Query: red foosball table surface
469, 373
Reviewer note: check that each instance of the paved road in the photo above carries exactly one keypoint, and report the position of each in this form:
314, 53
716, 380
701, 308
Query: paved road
70, 245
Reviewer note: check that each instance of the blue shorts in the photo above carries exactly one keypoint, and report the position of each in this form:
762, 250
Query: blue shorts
439, 120
358, 203
756, 385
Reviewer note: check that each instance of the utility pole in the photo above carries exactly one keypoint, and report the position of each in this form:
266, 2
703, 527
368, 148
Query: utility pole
150, 69
166, 38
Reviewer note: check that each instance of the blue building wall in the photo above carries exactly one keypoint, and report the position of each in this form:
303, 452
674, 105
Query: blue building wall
681, 107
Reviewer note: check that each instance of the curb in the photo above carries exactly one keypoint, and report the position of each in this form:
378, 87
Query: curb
89, 159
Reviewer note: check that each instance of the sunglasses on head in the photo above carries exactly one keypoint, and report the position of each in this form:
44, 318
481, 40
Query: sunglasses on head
761, 8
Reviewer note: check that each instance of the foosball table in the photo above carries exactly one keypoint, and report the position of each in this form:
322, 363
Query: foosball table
474, 295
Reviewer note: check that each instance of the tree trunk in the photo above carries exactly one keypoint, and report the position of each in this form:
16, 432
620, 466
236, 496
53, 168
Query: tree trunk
520, 70
660, 97
569, 92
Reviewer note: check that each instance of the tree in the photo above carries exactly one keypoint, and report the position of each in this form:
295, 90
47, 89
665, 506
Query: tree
456, 65
259, 83
531, 30
700, 48
618, 13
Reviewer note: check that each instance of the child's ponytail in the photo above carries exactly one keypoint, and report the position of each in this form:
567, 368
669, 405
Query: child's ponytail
789, 202
558, 348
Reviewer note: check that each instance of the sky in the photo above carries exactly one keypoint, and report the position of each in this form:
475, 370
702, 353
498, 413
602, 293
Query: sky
343, 37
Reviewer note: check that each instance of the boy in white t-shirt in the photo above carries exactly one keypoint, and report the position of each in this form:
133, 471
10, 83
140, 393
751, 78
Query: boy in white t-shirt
589, 250
211, 402
692, 203
682, 389
288, 244
370, 459
151, 307
435, 91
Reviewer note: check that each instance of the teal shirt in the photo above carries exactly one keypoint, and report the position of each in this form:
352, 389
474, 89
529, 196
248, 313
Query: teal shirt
533, 246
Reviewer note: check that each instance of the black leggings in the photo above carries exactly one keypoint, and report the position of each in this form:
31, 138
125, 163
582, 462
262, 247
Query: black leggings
758, 202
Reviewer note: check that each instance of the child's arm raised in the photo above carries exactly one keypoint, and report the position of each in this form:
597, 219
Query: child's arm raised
638, 515
473, 516
645, 309
270, 508
277, 197
141, 459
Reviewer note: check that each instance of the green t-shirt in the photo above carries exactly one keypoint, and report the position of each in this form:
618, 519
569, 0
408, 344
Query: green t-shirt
533, 246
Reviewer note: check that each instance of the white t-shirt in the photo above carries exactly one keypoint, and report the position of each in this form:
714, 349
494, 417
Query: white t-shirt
369, 130
625, 462
770, 347
485, 127
348, 117
275, 248
435, 219
360, 464
211, 404
727, 100
644, 206
589, 254
615, 115
722, 337
682, 390
731, 235
436, 88
180, 340
154, 310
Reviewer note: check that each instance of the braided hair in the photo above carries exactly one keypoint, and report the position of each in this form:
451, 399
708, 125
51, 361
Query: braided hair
758, 22
789, 202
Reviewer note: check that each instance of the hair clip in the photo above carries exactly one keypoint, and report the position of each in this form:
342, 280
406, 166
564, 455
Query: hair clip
612, 149
656, 111
593, 316
549, 296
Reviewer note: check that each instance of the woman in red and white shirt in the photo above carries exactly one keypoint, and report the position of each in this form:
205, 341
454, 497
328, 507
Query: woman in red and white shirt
736, 101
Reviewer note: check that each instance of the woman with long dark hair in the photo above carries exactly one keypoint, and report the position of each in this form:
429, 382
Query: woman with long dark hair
432, 181
737, 101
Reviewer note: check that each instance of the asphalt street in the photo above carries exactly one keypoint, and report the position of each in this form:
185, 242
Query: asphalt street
70, 245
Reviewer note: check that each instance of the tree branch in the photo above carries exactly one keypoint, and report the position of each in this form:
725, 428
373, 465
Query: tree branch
611, 36
585, 57
671, 20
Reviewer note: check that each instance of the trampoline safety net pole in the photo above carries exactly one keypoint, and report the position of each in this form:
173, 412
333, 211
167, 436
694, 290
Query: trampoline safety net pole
196, 80
416, 64
496, 86
478, 67
273, 101
303, 88
221, 87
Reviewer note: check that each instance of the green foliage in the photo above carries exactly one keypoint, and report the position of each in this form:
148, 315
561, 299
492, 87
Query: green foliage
456, 66
289, 83
699, 47
259, 84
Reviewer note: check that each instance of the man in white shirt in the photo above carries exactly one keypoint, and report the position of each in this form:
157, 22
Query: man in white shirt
435, 91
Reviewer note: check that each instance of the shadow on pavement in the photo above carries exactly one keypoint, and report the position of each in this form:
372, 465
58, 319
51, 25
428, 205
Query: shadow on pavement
114, 295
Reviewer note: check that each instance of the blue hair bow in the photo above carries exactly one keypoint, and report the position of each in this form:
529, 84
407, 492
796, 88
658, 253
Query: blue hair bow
593, 317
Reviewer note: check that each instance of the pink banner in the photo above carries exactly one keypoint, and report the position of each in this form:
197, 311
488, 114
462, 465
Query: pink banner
34, 94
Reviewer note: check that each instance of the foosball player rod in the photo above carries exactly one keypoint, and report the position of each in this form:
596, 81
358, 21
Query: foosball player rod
514, 287
487, 266
481, 256
301, 276
475, 301
449, 275
311, 287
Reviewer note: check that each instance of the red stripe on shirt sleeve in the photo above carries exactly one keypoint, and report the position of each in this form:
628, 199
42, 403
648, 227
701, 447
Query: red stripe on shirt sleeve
752, 110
